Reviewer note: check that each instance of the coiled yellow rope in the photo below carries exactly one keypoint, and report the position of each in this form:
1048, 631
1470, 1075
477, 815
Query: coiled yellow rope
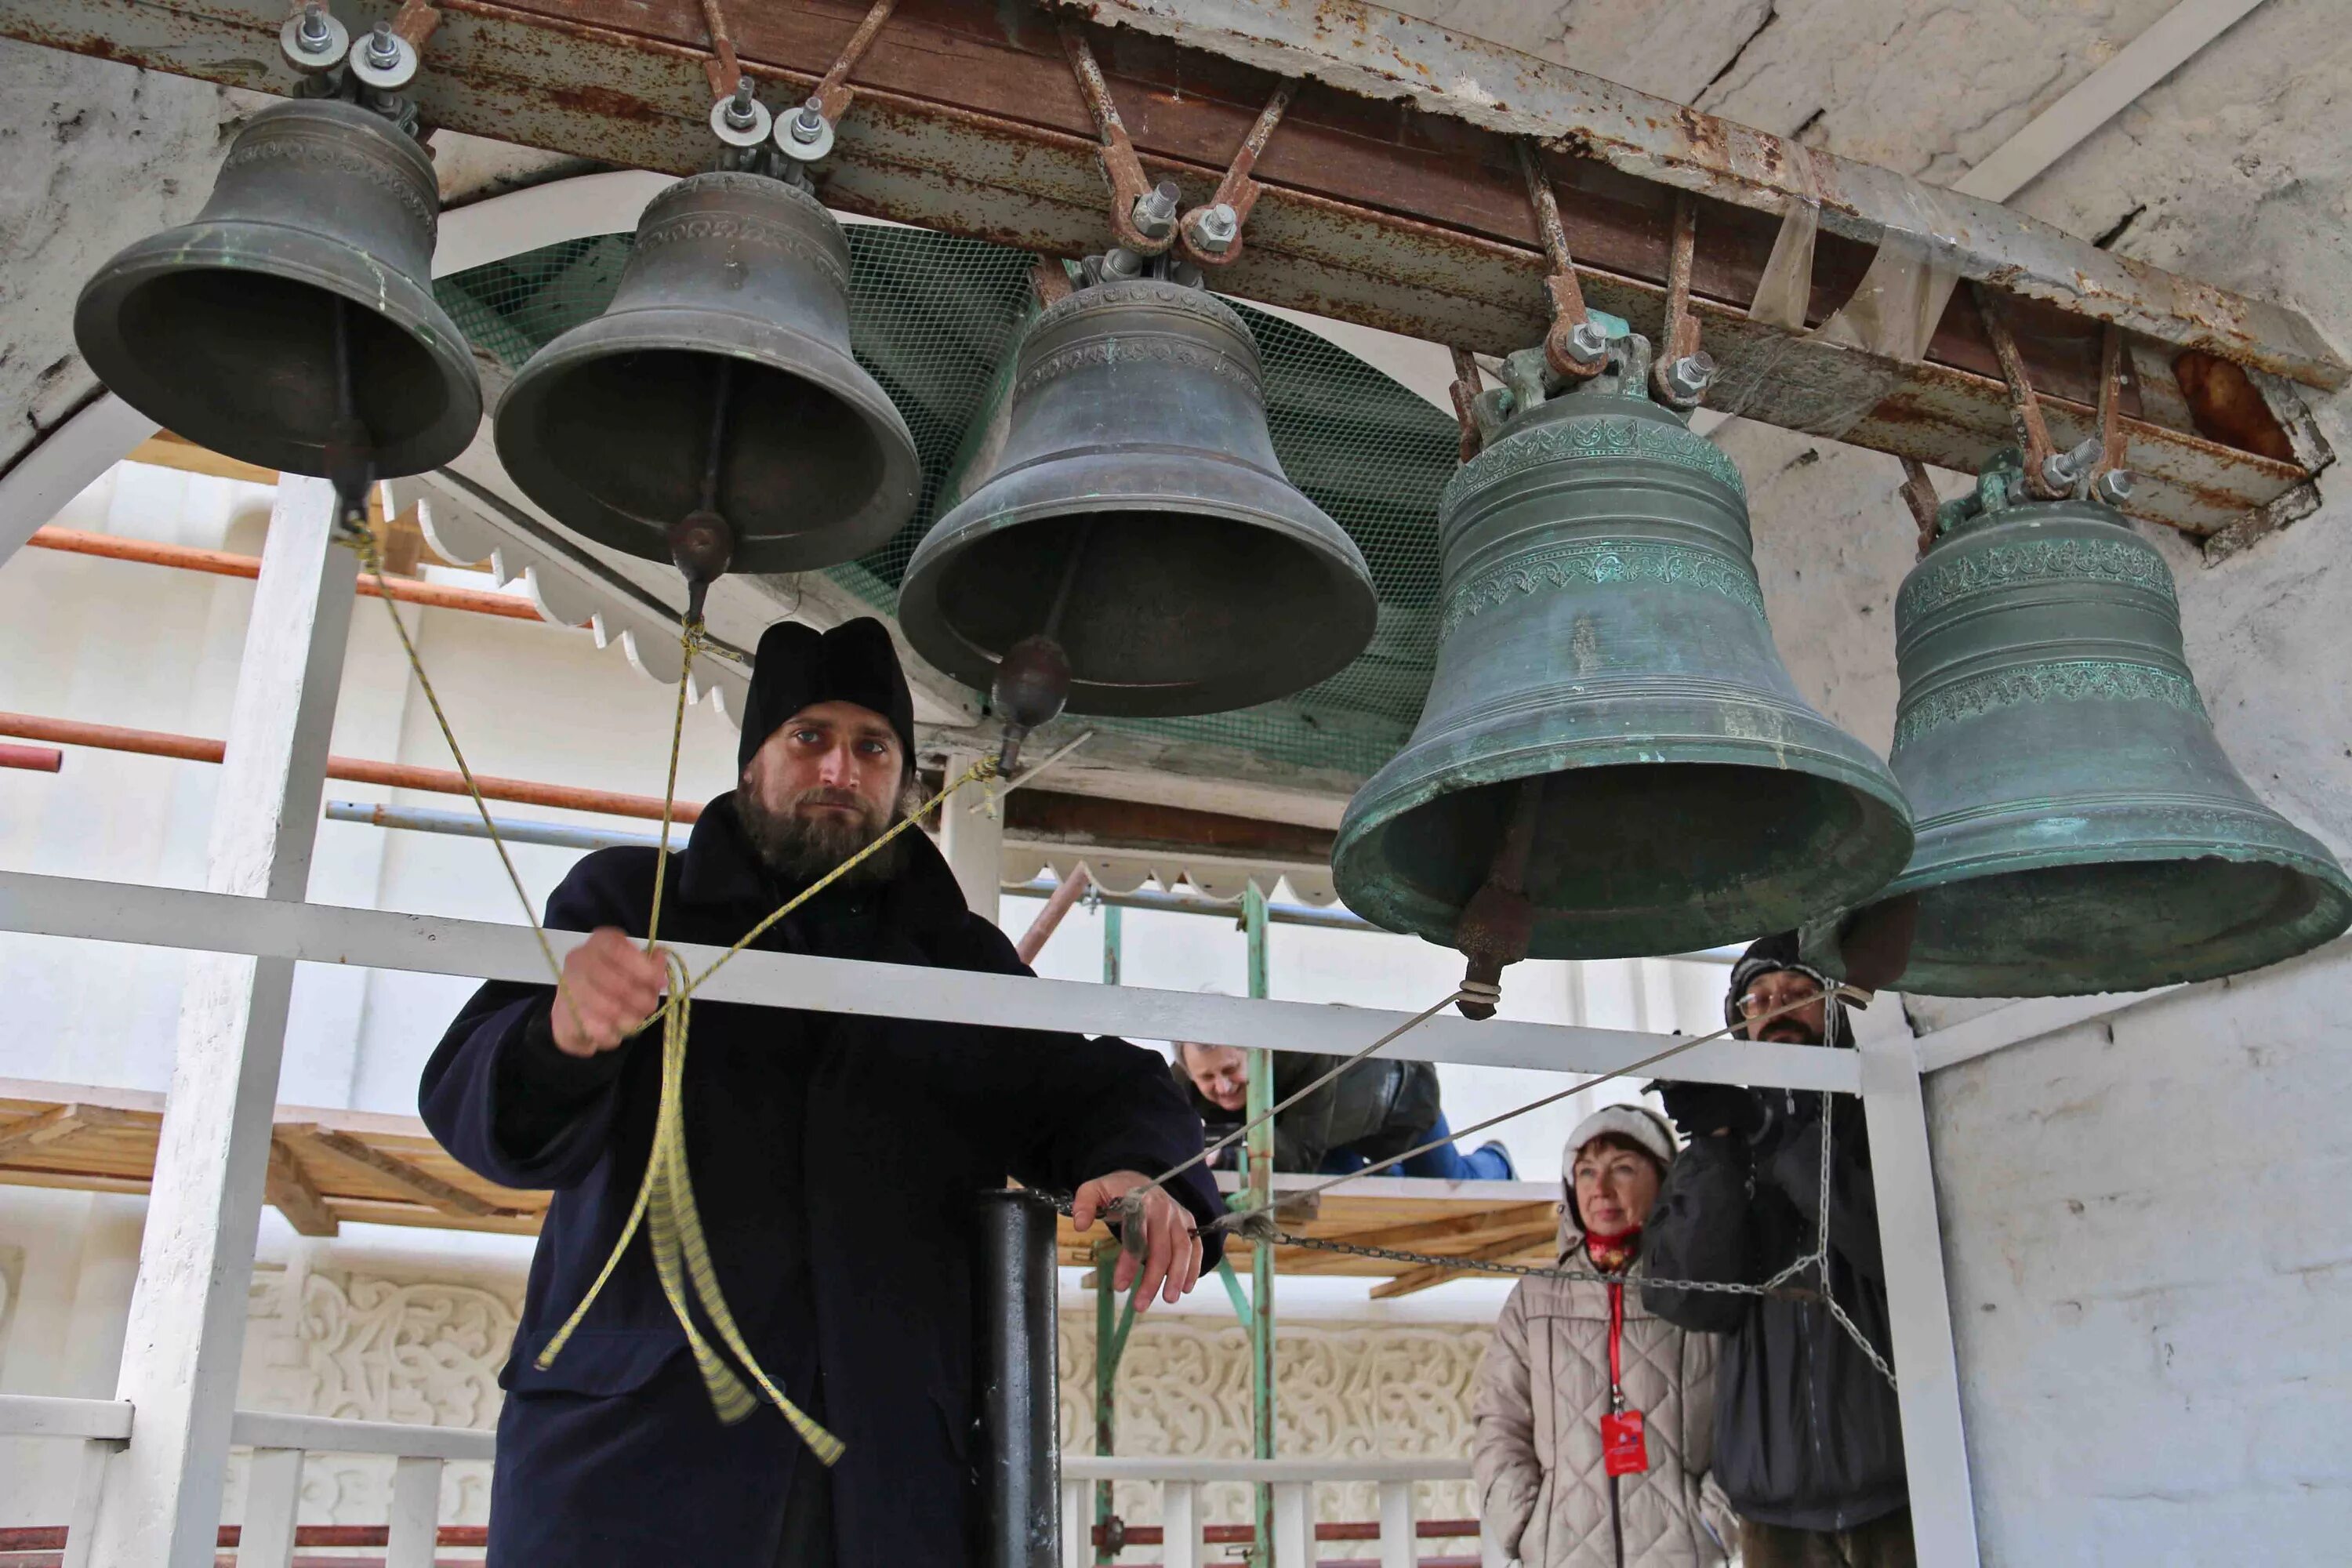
664, 1206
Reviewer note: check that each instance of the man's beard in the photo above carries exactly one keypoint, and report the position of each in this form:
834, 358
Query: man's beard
801, 849
1790, 1032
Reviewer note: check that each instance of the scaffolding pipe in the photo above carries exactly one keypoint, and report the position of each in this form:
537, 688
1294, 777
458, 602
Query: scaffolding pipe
1019, 1447
32, 758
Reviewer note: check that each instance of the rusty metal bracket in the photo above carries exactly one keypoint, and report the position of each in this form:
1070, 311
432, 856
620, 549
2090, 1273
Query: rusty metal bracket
1465, 397
1050, 280
1575, 345
414, 22
723, 67
1682, 372
834, 95
1130, 192
1210, 233
2024, 406
2114, 373
1919, 494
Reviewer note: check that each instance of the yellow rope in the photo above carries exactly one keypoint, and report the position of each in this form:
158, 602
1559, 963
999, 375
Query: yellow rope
664, 1206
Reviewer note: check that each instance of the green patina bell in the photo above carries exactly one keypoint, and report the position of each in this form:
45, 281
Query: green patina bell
1612, 752
2080, 829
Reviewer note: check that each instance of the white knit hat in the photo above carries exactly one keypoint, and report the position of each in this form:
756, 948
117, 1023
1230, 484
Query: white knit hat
1637, 1124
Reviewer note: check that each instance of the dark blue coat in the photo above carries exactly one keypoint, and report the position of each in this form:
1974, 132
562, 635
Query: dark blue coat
835, 1159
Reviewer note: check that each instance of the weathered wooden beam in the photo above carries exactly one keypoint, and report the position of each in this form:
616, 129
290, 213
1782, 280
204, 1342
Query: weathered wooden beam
48, 1129
417, 1182
1453, 1231
1406, 216
1507, 1248
288, 1188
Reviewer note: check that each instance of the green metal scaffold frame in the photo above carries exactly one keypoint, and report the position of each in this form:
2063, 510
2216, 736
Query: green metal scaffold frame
1113, 1320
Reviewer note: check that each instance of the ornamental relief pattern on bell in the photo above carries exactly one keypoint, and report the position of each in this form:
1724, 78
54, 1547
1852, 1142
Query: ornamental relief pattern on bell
2126, 562
1156, 296
1590, 437
1593, 564
744, 231
1138, 351
295, 149
2057, 681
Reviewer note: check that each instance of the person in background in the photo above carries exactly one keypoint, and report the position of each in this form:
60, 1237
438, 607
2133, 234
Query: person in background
1374, 1110
1595, 1419
1809, 1442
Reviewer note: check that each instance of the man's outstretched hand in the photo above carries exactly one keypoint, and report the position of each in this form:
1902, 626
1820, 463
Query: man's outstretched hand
1170, 1262
611, 986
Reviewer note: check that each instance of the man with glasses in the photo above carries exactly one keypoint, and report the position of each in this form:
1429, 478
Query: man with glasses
1808, 1440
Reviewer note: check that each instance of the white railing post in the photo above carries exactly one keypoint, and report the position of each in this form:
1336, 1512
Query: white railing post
416, 1513
1180, 1525
1934, 1453
273, 1497
82, 1527
971, 838
1078, 1521
186, 1334
1396, 1524
1294, 1524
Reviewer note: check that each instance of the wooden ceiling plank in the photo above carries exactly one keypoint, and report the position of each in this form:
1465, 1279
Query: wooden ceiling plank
419, 1184
289, 1190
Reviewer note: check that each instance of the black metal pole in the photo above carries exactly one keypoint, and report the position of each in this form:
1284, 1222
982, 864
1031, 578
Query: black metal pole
1019, 1450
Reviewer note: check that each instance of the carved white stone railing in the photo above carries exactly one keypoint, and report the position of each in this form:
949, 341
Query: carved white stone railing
1294, 1483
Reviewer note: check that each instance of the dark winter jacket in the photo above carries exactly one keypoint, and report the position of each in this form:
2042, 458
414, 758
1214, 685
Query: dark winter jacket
1375, 1108
835, 1159
1807, 1434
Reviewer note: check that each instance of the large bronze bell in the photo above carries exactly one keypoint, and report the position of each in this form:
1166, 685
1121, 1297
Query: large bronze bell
719, 380
225, 329
2080, 829
1138, 517
1611, 739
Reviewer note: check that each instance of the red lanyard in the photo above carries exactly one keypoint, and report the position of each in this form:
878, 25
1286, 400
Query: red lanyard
1616, 1340
1624, 1446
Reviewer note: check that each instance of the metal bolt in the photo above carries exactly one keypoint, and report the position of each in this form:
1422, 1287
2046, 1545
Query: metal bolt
2061, 470
1587, 344
1155, 210
315, 35
1213, 228
2114, 488
1120, 262
808, 125
741, 112
384, 48
1689, 377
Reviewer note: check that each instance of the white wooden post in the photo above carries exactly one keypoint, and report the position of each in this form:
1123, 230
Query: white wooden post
1396, 1524
972, 841
81, 1529
1935, 1452
1294, 1524
273, 1497
415, 1513
1078, 1520
186, 1333
66, 462
1180, 1526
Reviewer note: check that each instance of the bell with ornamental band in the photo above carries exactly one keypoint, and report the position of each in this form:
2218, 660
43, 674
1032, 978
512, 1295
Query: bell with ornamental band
1136, 538
2080, 829
293, 324
713, 415
1613, 760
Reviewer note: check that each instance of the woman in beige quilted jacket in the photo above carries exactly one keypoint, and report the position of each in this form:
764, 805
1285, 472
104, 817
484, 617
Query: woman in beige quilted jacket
1596, 1420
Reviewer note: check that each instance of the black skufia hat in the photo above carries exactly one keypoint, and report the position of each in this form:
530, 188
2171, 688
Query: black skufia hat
797, 666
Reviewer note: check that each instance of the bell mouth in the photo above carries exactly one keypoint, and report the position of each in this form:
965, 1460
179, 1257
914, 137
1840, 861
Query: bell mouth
1630, 859
611, 438
2118, 925
195, 330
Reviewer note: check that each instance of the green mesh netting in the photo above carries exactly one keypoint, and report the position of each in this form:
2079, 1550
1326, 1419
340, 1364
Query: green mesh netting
936, 319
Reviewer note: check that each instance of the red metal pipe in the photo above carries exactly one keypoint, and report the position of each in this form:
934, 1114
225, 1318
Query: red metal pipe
350, 770
228, 563
1071, 889
32, 758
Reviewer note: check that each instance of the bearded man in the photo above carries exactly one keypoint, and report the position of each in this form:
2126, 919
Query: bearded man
834, 1158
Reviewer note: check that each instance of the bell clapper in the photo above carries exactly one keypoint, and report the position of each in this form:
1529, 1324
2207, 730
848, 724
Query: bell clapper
1033, 679
1499, 922
349, 463
701, 542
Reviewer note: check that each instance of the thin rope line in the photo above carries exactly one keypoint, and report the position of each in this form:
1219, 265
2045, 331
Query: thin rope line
1243, 1216
362, 541
689, 637
1229, 1139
